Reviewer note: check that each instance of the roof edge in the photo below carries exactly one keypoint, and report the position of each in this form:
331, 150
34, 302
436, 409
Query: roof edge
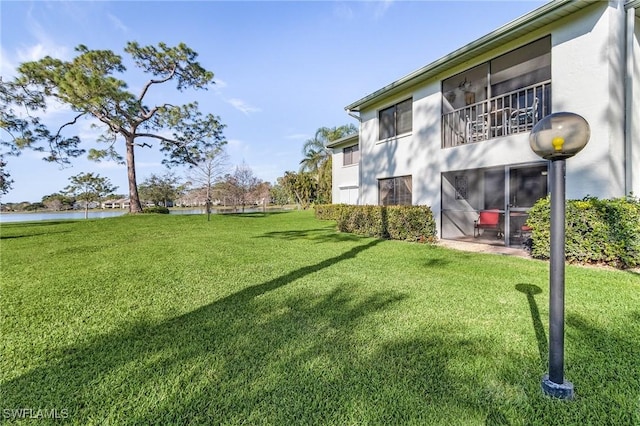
501, 32
632, 4
343, 140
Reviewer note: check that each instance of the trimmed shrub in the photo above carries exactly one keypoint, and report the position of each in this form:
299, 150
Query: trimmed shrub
156, 209
597, 231
327, 211
410, 223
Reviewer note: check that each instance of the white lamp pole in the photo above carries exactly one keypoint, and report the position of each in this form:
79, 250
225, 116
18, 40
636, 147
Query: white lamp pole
557, 137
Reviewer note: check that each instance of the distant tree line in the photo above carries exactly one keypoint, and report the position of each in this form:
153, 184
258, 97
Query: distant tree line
237, 189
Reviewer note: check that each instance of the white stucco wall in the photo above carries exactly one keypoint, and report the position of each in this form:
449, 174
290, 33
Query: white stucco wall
345, 179
634, 114
587, 78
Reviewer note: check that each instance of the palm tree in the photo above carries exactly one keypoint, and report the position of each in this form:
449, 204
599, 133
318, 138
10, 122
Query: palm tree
315, 149
317, 157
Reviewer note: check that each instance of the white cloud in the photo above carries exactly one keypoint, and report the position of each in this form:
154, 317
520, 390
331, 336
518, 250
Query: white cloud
109, 165
298, 136
44, 43
117, 23
54, 107
242, 106
148, 165
9, 61
237, 103
381, 8
7, 67
343, 11
41, 47
235, 146
31, 53
220, 84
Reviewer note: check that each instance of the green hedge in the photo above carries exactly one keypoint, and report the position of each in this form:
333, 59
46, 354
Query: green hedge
410, 223
156, 209
597, 231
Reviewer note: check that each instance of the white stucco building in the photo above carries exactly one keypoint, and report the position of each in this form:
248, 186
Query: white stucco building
454, 134
345, 170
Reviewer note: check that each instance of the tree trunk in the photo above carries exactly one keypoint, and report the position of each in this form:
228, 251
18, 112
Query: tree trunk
134, 198
208, 202
86, 210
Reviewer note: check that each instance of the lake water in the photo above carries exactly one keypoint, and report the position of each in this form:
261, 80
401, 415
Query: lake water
96, 214
38, 216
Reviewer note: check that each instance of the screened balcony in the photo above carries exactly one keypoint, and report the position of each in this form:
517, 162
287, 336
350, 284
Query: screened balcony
510, 113
506, 95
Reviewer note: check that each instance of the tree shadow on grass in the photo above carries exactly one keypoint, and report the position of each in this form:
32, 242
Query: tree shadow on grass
301, 363
50, 222
231, 330
261, 356
309, 356
253, 214
13, 230
33, 234
319, 235
437, 262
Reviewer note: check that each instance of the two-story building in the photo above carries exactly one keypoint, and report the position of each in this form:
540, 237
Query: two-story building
454, 135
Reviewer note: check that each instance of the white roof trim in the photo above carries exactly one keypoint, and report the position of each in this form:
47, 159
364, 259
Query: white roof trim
538, 18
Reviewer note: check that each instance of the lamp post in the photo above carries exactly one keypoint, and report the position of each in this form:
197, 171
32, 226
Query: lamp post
557, 137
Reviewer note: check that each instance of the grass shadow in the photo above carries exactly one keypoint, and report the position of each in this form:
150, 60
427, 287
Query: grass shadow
231, 330
538, 328
326, 234
253, 214
16, 229
437, 262
35, 234
237, 361
332, 354
262, 356
43, 222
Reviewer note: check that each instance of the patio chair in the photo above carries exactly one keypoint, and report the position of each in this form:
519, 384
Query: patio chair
524, 118
488, 219
477, 128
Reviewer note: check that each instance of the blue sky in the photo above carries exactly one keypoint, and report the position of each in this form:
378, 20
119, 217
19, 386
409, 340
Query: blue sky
283, 69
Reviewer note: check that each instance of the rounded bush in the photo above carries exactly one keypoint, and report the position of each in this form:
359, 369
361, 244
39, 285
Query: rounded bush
597, 231
156, 209
410, 223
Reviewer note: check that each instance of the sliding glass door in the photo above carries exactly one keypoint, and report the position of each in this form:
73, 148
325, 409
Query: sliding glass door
510, 190
527, 184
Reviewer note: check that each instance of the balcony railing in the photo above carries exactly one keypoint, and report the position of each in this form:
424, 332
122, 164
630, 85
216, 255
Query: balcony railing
509, 113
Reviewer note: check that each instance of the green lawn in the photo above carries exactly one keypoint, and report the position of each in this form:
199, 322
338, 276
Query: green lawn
278, 319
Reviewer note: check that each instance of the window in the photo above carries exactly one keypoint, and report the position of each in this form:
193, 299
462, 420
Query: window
396, 120
350, 155
395, 191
